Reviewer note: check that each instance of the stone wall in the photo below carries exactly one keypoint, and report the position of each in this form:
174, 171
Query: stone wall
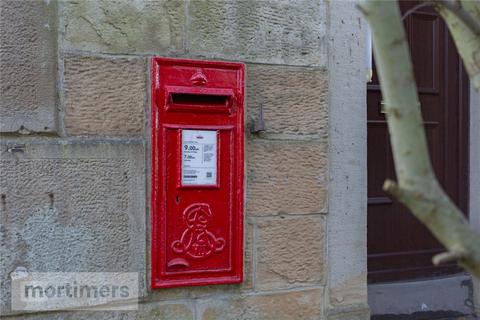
75, 150
28, 66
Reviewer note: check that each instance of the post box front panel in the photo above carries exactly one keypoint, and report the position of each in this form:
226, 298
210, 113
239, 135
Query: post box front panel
197, 172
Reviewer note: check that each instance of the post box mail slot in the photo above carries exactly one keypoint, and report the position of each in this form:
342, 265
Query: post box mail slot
197, 172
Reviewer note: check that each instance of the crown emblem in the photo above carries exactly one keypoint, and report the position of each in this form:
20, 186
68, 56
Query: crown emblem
198, 79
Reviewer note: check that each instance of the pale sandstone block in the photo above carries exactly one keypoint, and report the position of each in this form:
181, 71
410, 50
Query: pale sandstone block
294, 100
28, 66
349, 312
170, 311
146, 311
124, 26
280, 32
105, 96
351, 291
68, 206
305, 304
286, 177
290, 252
76, 315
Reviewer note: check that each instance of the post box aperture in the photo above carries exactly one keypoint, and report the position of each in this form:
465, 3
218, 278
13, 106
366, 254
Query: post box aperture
197, 172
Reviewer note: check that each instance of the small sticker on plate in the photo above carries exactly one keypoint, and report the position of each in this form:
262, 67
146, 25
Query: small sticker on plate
199, 157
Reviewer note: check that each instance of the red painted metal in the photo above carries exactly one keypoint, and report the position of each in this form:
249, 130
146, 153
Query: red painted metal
197, 230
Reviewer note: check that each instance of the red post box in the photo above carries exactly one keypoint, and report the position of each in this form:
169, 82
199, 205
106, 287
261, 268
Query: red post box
197, 172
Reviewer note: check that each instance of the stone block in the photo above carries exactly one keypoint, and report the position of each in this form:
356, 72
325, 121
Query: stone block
294, 100
349, 312
290, 252
28, 68
76, 315
351, 291
280, 32
146, 311
105, 96
248, 260
124, 26
305, 304
286, 177
72, 206
347, 205
164, 311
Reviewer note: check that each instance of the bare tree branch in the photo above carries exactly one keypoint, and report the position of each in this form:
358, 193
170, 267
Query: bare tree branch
415, 8
457, 8
463, 20
450, 256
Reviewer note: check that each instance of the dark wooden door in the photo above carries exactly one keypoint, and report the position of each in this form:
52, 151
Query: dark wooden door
399, 247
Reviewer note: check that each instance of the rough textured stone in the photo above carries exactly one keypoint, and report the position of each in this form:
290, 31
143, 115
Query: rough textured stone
77, 315
290, 32
28, 66
105, 96
71, 206
350, 312
286, 177
347, 202
248, 260
351, 291
294, 100
284, 305
124, 26
170, 311
146, 311
290, 251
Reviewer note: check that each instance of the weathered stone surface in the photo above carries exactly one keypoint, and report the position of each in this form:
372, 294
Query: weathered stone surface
352, 291
28, 66
194, 292
290, 32
248, 260
350, 312
285, 305
69, 206
124, 26
105, 96
347, 203
290, 251
77, 315
286, 177
146, 311
164, 311
294, 100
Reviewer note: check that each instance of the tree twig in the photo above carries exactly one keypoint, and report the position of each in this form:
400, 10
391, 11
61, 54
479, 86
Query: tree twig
463, 21
415, 8
446, 257
457, 8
